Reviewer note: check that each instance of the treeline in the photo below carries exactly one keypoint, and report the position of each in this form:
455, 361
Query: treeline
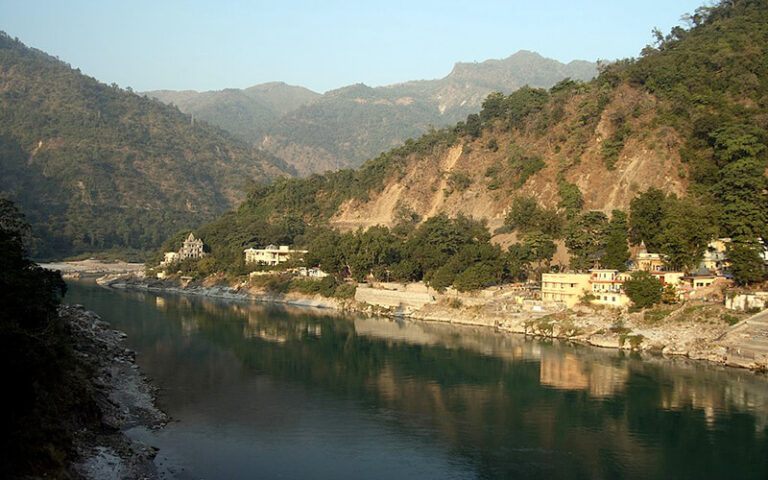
97, 167
442, 251
43, 382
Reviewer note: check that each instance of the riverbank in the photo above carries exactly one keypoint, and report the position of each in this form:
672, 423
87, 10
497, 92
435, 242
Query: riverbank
121, 397
91, 267
694, 330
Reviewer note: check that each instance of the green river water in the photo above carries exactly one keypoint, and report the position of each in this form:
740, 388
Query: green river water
259, 391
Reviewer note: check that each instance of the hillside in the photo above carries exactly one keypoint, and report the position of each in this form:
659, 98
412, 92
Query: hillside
689, 117
95, 167
248, 113
346, 126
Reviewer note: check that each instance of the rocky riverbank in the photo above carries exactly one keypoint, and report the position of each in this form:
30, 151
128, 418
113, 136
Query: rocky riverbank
692, 330
208, 289
123, 399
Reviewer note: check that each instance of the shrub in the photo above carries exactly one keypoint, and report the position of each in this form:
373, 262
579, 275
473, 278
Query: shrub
643, 289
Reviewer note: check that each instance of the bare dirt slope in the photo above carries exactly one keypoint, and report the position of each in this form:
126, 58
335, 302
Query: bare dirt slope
571, 153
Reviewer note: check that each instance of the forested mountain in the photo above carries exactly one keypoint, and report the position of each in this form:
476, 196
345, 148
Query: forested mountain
676, 139
96, 167
344, 127
248, 113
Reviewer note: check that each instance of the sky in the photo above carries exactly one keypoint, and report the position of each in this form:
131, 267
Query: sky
322, 45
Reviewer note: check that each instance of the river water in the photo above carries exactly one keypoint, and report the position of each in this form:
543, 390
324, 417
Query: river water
259, 391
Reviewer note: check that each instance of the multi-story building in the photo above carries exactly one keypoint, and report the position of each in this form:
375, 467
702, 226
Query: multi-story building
271, 254
191, 248
567, 288
607, 286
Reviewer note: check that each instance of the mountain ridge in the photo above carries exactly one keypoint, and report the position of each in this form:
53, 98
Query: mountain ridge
347, 125
95, 167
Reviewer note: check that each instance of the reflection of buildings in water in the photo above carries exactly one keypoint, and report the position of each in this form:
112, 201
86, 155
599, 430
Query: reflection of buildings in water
477, 339
260, 325
714, 398
569, 372
160, 303
189, 325
563, 372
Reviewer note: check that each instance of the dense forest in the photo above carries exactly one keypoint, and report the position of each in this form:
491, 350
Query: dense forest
709, 85
95, 167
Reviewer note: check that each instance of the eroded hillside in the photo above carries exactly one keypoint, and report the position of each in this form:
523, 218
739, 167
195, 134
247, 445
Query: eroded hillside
475, 177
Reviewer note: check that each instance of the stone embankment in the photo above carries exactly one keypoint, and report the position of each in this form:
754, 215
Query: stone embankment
238, 292
124, 399
695, 331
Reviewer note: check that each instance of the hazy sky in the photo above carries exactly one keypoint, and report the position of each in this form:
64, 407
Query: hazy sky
322, 45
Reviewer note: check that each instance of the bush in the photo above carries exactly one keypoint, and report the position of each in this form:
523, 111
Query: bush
643, 289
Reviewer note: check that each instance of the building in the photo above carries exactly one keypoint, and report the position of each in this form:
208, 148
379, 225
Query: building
648, 262
271, 254
169, 258
567, 288
607, 286
715, 258
191, 248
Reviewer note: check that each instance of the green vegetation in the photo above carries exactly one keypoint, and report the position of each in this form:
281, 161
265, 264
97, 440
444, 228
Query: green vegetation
98, 168
616, 252
571, 199
643, 289
442, 251
40, 370
708, 85
585, 237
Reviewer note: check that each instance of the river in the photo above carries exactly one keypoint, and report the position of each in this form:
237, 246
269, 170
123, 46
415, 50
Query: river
260, 391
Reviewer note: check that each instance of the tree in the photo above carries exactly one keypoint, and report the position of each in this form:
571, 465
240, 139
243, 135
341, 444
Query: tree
519, 258
646, 212
687, 228
643, 289
323, 252
570, 199
523, 213
616, 251
585, 236
747, 266
740, 192
540, 246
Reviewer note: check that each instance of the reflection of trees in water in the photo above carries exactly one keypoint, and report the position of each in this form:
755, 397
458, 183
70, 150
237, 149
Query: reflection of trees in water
488, 397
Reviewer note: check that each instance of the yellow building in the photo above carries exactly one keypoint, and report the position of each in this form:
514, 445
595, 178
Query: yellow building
648, 262
567, 288
607, 286
271, 255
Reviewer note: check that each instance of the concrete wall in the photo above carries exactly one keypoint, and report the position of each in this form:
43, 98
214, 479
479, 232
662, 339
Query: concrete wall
747, 301
393, 298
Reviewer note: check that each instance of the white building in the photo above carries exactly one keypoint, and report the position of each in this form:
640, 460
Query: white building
271, 254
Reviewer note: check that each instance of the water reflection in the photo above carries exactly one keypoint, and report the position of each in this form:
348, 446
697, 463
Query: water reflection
427, 400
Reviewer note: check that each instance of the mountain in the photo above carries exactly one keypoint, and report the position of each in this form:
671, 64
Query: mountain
248, 113
346, 126
689, 118
96, 167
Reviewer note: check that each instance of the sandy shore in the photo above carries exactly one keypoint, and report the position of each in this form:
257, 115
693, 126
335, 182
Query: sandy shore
95, 267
